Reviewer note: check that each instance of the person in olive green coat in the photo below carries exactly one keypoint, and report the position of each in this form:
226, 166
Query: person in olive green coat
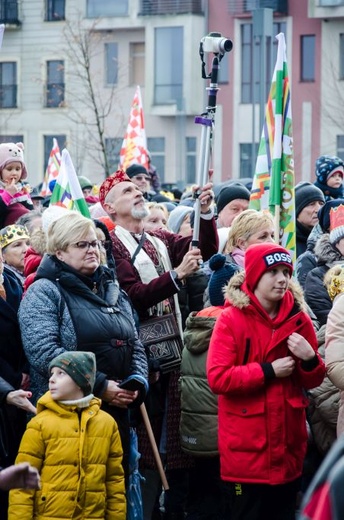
75, 446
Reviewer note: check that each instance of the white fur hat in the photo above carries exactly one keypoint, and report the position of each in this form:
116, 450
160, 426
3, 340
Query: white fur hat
11, 152
53, 213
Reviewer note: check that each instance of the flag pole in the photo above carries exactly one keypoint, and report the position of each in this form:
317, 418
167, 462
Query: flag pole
213, 42
154, 446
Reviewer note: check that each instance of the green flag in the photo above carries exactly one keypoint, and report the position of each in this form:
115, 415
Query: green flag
273, 182
67, 191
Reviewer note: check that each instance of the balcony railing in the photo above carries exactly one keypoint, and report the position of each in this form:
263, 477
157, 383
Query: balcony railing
160, 7
238, 7
330, 3
9, 12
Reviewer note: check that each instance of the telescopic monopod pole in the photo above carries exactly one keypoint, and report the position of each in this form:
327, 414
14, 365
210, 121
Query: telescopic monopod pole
207, 120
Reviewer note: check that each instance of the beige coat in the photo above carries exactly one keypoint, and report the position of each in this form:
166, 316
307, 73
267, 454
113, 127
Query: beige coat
334, 353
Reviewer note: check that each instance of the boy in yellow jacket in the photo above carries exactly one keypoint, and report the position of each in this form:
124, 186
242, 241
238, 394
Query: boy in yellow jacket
76, 448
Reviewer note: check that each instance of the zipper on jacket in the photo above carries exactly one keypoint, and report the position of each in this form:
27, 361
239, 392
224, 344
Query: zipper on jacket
247, 351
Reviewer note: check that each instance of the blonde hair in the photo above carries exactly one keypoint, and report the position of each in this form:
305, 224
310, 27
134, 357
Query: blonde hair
245, 225
334, 280
67, 230
157, 205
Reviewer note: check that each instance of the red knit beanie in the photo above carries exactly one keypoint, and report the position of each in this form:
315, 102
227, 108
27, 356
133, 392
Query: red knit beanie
259, 258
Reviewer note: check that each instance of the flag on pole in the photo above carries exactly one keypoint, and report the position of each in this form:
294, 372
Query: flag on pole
134, 146
67, 191
273, 182
53, 168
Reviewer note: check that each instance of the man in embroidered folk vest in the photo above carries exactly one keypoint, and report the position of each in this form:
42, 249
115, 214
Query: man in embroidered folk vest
151, 269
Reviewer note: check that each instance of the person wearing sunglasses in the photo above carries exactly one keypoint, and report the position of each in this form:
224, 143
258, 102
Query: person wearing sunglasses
138, 174
75, 303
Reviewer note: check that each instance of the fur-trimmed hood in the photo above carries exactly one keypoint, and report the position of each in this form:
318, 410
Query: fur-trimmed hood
38, 241
325, 252
238, 298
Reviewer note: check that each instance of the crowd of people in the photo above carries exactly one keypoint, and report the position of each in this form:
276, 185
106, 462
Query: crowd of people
241, 422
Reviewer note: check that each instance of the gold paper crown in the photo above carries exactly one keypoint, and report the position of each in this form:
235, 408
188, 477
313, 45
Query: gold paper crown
12, 233
334, 281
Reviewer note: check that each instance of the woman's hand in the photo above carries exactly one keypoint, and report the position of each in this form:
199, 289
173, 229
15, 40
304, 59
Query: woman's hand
20, 399
22, 476
25, 382
116, 396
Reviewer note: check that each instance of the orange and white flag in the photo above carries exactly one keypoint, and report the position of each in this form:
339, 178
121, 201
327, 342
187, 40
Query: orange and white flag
134, 146
53, 168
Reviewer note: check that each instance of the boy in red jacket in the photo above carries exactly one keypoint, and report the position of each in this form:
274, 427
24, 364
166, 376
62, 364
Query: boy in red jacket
262, 354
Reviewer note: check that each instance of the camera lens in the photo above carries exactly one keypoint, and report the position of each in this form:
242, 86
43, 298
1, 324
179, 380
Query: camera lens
225, 45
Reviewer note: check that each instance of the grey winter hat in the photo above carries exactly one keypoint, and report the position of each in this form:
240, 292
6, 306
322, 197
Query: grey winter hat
177, 216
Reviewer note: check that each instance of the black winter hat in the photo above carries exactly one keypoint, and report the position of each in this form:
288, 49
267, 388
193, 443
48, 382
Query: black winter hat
305, 194
232, 192
136, 169
324, 213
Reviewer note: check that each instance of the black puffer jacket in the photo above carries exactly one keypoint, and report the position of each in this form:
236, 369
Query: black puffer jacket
315, 292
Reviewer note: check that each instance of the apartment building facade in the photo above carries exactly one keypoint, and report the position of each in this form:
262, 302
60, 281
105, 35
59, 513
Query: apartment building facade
69, 69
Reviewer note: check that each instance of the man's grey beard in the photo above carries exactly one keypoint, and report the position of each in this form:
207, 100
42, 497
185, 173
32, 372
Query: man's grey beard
140, 213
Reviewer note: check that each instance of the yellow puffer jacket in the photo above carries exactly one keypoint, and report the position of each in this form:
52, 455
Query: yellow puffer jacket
78, 453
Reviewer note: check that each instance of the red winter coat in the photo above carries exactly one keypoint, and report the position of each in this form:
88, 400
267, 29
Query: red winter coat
262, 423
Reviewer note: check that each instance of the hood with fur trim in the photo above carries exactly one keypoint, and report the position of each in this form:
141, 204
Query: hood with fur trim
325, 252
238, 298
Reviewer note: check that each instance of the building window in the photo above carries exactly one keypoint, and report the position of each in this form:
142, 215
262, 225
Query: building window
341, 56
340, 146
55, 83
48, 144
113, 147
111, 63
168, 65
11, 139
250, 54
191, 156
247, 49
9, 12
248, 156
308, 58
8, 85
156, 147
95, 8
55, 10
137, 64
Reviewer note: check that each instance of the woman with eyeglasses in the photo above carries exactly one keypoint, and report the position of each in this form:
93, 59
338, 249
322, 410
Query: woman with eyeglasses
75, 303
15, 241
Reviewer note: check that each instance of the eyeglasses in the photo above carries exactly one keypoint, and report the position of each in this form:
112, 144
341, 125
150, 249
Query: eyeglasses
84, 244
141, 178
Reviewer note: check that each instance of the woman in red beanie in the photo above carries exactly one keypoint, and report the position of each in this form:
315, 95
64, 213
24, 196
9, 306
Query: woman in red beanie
262, 354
